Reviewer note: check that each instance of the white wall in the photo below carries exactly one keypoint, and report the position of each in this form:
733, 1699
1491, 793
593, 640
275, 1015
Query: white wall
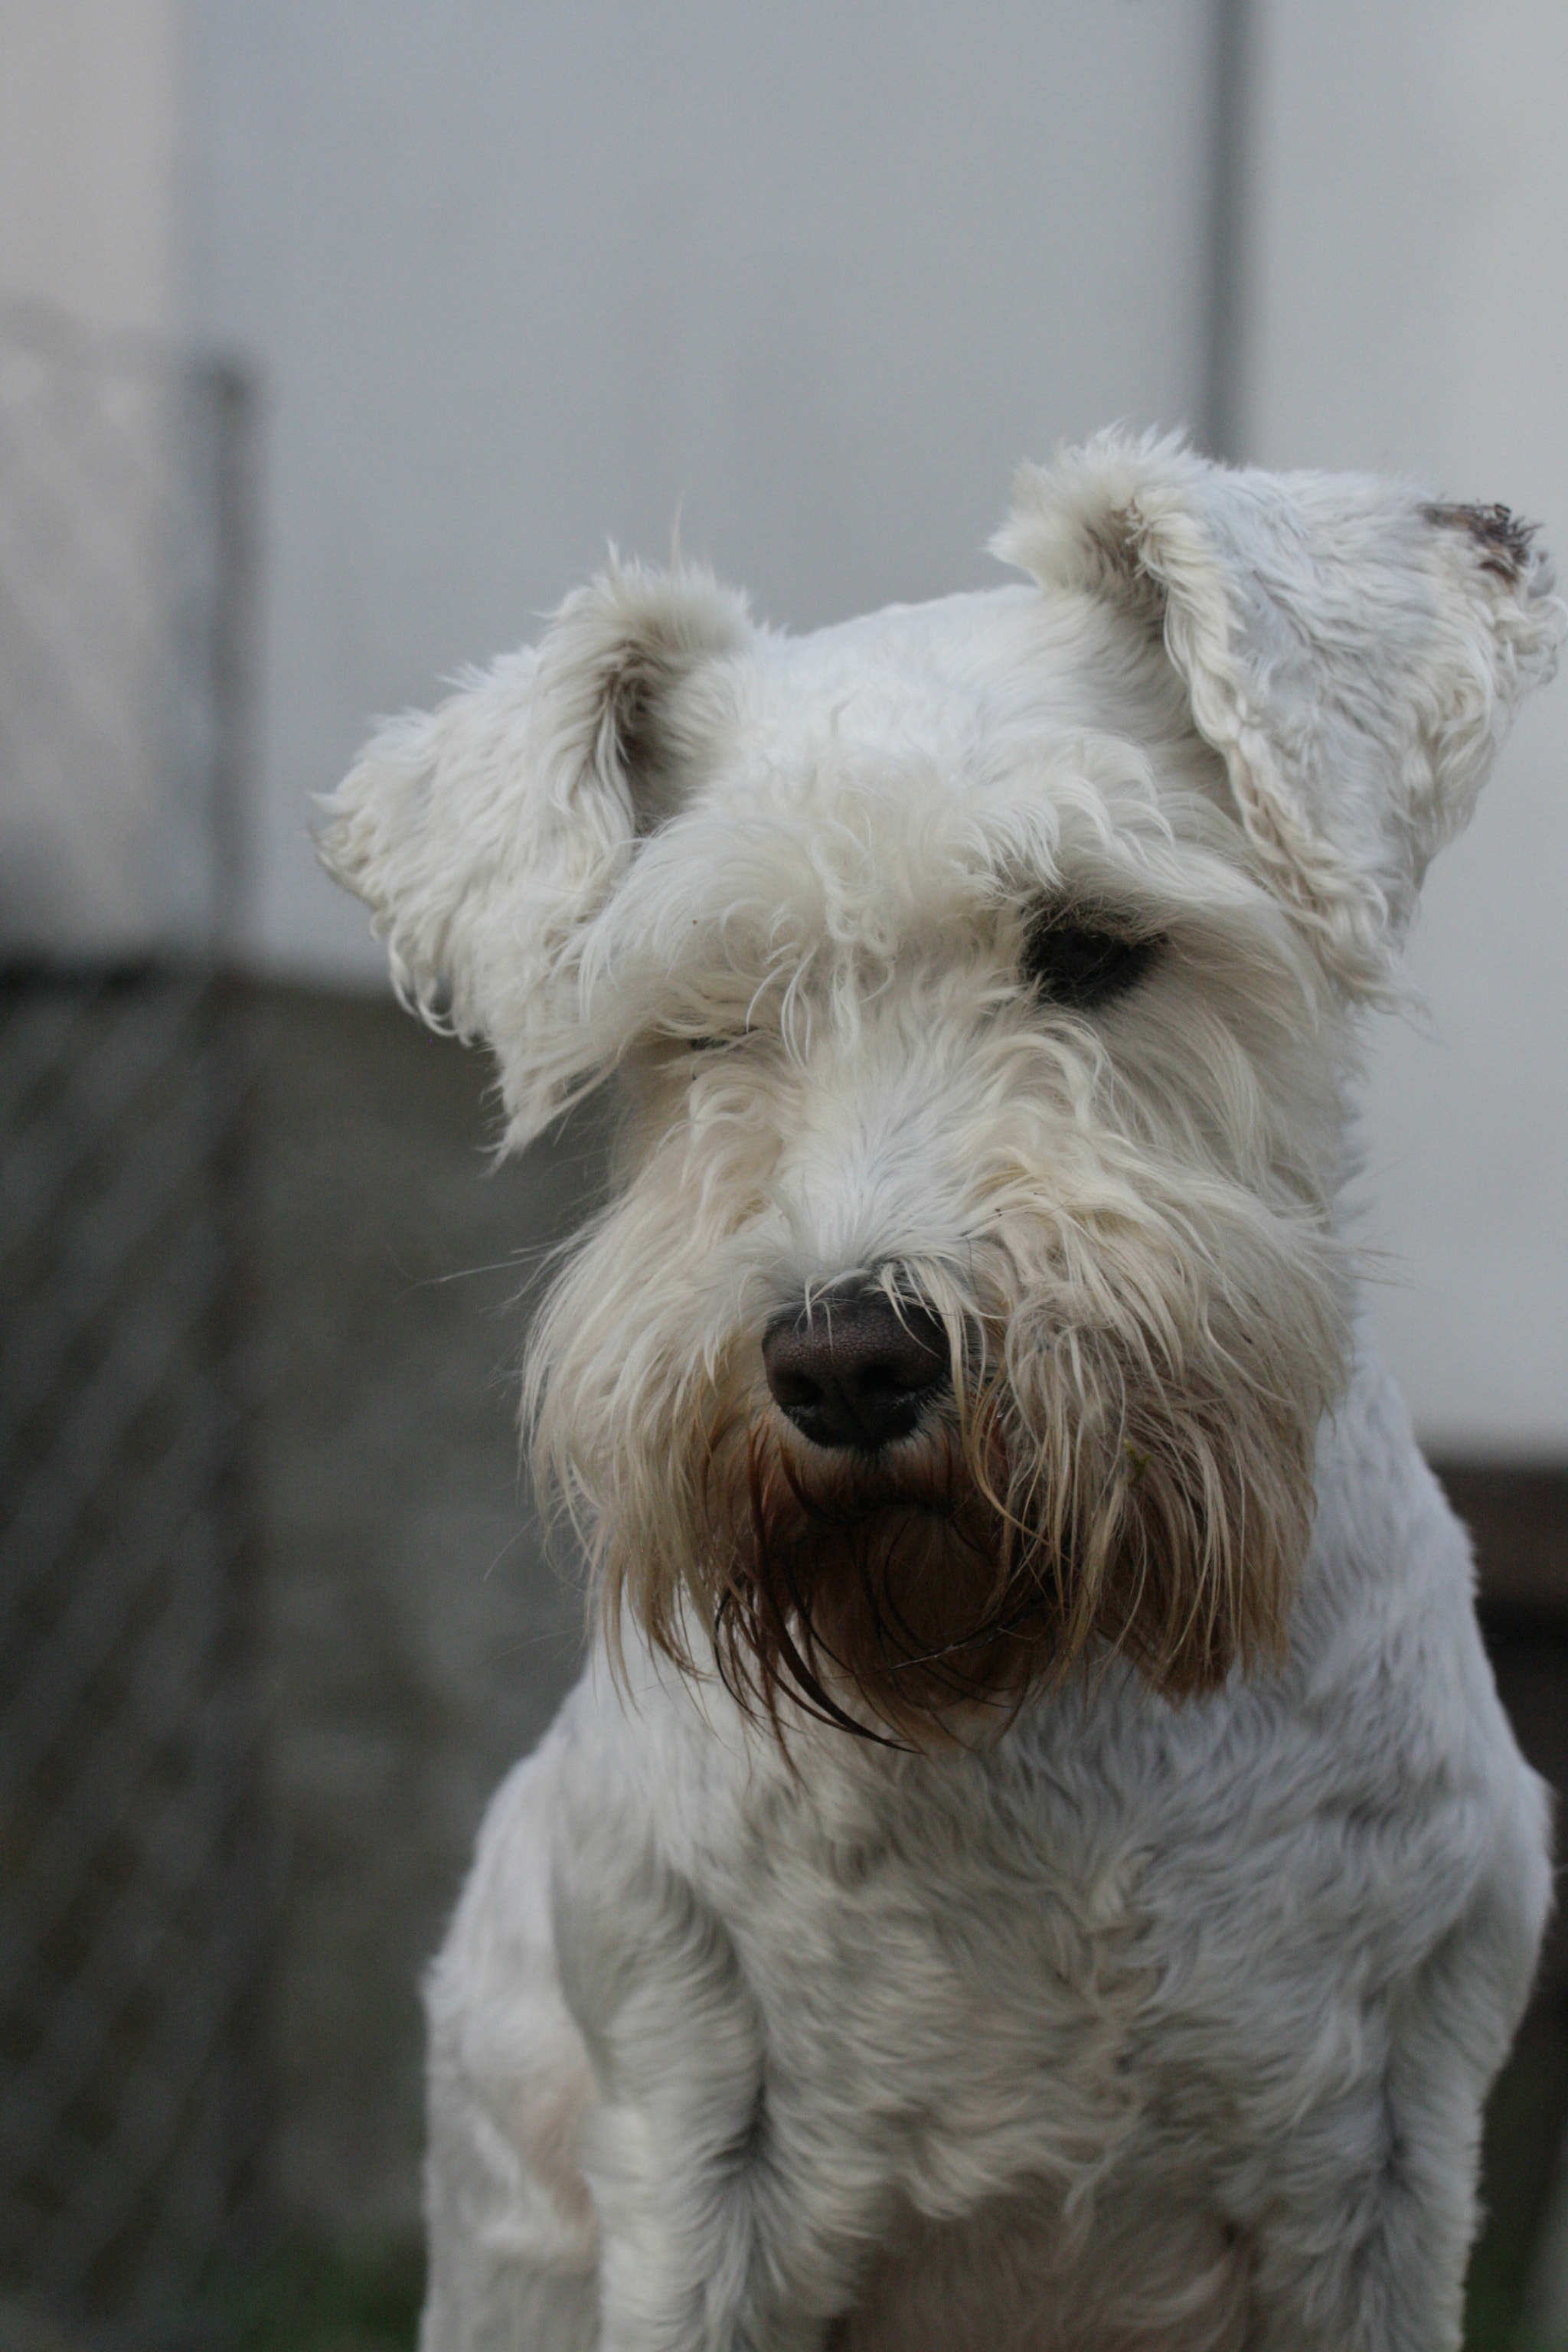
1408, 310
100, 816
94, 114
521, 279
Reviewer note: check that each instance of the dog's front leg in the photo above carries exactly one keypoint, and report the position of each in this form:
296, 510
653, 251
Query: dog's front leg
1365, 2248
676, 2155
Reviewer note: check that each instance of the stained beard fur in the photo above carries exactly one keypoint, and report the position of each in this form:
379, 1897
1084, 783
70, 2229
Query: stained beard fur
917, 1597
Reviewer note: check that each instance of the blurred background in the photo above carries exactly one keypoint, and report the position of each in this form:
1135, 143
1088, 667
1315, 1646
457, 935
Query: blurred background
337, 337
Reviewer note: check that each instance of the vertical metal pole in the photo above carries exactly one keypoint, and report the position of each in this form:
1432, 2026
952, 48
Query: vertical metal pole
233, 457
1223, 424
235, 1074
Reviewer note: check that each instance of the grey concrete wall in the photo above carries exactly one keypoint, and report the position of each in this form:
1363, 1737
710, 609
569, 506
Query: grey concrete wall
95, 124
97, 463
519, 280
1408, 215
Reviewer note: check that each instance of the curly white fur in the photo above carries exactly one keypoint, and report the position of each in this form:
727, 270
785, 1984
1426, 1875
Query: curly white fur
1137, 1982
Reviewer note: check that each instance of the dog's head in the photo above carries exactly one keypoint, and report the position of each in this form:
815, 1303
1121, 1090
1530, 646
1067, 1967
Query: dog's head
981, 974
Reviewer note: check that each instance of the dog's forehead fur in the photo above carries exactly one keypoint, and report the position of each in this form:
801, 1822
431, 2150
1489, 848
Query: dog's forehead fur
880, 785
960, 679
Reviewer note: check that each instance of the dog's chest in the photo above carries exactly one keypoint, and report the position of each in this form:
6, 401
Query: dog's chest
1096, 1951
975, 1992
972, 1970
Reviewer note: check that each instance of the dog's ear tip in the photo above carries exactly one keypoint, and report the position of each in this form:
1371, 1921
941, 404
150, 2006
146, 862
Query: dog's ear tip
1504, 544
486, 835
1509, 575
327, 832
685, 607
1076, 521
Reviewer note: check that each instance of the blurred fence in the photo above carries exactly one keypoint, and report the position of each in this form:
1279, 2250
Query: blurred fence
131, 1888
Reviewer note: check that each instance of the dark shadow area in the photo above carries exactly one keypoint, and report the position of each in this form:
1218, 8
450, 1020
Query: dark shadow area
1518, 1516
417, 1638
275, 1617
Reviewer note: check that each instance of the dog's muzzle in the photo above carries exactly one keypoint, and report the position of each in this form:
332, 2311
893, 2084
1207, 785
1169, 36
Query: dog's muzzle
855, 1371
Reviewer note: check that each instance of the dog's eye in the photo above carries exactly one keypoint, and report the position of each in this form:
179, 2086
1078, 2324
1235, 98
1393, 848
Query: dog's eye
1079, 965
720, 1041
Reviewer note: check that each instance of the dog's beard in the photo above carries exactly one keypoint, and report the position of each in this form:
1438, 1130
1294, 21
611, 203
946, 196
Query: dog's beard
922, 1592
855, 1586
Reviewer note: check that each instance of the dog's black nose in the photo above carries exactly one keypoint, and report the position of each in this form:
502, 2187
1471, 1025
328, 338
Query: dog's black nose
854, 1370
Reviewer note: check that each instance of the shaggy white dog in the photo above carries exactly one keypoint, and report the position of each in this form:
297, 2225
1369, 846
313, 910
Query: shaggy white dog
1037, 1860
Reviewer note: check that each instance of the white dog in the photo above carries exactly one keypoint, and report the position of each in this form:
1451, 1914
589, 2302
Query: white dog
1037, 1860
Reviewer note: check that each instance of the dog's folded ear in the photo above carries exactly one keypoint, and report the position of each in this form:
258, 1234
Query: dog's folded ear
485, 834
1352, 651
